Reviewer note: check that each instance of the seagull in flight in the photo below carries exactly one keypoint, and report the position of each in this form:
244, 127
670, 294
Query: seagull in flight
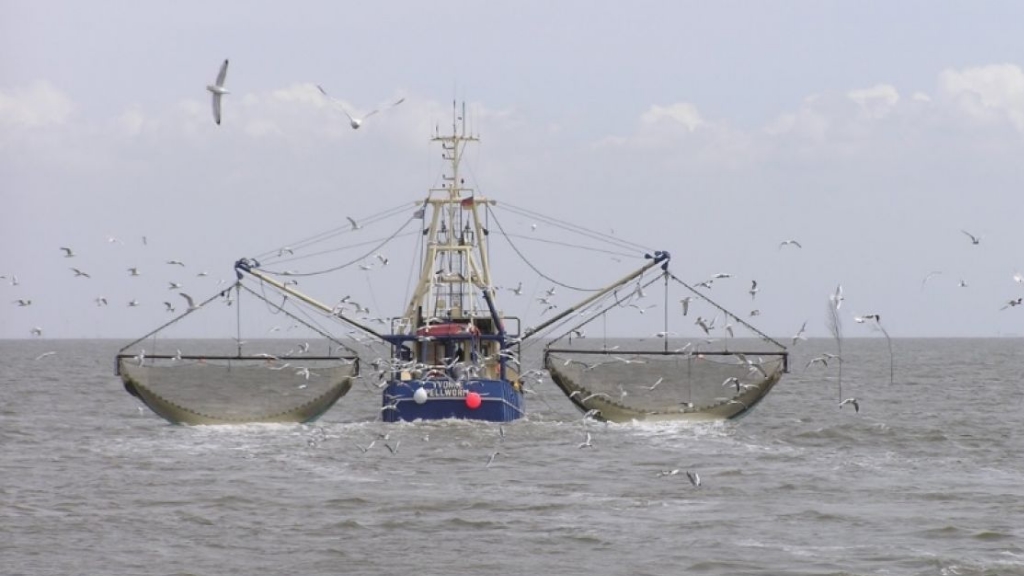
837, 297
490, 460
218, 90
694, 478
1015, 302
817, 360
800, 333
686, 304
853, 401
703, 325
975, 240
191, 303
586, 443
68, 252
789, 243
355, 225
80, 273
929, 277
133, 271
643, 309
354, 122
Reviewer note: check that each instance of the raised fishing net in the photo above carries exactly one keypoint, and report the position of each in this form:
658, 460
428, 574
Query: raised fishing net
188, 377
706, 364
657, 385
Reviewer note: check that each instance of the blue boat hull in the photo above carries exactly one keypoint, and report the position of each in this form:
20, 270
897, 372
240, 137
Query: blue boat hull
500, 400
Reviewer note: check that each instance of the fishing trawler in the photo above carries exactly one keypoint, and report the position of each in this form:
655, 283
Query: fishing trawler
453, 352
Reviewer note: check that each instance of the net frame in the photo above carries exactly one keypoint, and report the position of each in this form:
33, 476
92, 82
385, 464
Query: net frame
168, 386
716, 383
700, 394
237, 388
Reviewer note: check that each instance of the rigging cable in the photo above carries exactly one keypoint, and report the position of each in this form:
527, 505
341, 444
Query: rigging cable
277, 261
726, 312
351, 262
316, 328
530, 264
593, 234
319, 237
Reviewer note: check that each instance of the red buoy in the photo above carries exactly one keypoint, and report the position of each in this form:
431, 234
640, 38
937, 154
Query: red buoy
472, 400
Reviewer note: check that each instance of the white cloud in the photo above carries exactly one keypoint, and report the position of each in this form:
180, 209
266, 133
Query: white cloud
988, 93
37, 105
877, 101
682, 113
132, 121
807, 122
258, 128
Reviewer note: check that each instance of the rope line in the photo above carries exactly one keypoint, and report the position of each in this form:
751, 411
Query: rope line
593, 234
726, 312
351, 262
310, 325
176, 319
571, 245
306, 256
530, 264
347, 228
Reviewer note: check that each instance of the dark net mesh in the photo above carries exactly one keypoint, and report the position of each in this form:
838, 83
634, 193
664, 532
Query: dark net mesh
199, 390
294, 377
650, 385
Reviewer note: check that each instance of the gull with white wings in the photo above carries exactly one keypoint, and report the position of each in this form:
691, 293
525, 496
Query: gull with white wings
353, 121
191, 302
218, 90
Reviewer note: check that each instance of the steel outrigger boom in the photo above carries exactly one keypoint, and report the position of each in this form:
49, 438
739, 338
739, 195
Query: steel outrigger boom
250, 267
659, 257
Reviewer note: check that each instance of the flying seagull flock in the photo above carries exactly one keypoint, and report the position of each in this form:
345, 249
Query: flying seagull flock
172, 267
218, 91
184, 301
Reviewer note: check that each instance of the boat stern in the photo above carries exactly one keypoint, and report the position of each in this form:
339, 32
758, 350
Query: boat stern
444, 398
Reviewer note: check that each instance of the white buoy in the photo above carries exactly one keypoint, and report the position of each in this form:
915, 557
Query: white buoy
420, 395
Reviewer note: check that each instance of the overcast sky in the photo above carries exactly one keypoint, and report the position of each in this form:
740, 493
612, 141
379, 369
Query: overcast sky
871, 132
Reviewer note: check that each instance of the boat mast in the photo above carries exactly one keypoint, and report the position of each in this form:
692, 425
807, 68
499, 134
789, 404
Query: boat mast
455, 260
